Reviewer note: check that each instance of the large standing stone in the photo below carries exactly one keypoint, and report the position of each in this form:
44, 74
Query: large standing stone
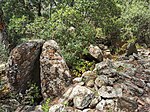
55, 76
23, 66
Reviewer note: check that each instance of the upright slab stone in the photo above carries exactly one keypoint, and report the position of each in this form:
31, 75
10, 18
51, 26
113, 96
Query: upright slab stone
23, 66
55, 75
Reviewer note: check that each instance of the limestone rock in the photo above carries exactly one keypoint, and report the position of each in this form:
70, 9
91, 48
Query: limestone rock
89, 110
94, 102
81, 101
75, 91
23, 66
96, 52
38, 108
90, 83
101, 80
89, 75
100, 66
101, 105
77, 80
56, 108
127, 105
110, 92
55, 75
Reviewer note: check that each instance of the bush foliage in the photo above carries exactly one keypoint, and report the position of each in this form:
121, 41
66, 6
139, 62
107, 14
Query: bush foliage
75, 24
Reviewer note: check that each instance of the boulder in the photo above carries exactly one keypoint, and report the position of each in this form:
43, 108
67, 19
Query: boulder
127, 104
23, 66
96, 52
101, 105
131, 48
55, 75
110, 92
81, 101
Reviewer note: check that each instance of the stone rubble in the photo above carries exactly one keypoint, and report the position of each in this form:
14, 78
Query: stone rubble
121, 85
116, 86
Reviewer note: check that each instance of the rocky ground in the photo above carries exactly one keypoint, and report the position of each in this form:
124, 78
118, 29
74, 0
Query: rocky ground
115, 85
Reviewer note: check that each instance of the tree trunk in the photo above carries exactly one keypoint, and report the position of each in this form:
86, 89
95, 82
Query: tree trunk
39, 8
1, 25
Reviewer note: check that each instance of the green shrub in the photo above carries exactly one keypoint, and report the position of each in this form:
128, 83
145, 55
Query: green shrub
82, 66
45, 106
32, 94
72, 42
135, 17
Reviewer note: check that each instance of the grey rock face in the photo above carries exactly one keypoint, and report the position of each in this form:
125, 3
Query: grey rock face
23, 66
55, 75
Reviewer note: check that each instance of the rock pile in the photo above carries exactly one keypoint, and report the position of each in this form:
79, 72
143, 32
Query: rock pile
121, 85
116, 86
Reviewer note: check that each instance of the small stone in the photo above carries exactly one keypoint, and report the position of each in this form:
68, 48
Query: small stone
100, 105
147, 100
110, 92
2, 67
71, 109
56, 108
77, 79
81, 101
109, 104
38, 108
101, 80
100, 66
148, 84
90, 83
135, 89
81, 83
94, 102
89, 110
75, 91
127, 105
89, 75
96, 52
